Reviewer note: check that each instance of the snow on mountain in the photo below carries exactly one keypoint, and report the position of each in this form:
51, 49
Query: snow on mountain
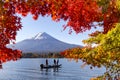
42, 36
42, 42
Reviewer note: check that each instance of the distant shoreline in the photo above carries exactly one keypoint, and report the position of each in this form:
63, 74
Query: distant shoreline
41, 55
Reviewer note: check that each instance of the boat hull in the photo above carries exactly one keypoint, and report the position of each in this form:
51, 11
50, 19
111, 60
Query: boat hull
50, 66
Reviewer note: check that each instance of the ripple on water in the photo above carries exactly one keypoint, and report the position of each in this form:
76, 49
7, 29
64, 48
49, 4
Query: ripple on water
29, 69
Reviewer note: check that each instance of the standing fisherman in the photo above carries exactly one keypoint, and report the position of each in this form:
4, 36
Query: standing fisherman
57, 61
54, 62
46, 62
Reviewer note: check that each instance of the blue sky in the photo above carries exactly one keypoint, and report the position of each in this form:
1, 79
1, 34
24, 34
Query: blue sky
45, 24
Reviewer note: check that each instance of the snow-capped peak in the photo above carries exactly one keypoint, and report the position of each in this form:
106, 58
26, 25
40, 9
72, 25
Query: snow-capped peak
40, 43
41, 36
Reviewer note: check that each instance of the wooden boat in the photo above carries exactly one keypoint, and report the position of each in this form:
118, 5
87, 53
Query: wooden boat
50, 66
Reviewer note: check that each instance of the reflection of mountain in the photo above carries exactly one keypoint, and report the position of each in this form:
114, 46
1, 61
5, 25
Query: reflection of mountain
42, 42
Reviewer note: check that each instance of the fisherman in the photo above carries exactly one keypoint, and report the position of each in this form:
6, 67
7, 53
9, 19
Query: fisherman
46, 62
54, 62
41, 66
57, 61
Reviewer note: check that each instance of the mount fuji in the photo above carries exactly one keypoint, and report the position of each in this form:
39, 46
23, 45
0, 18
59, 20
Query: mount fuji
42, 42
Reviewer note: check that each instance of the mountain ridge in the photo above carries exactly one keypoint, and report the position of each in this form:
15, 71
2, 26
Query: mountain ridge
42, 42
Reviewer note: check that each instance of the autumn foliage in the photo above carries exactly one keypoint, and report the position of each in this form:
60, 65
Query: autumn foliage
103, 46
105, 54
79, 15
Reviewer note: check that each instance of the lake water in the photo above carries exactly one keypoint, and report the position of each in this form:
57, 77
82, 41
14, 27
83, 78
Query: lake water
29, 69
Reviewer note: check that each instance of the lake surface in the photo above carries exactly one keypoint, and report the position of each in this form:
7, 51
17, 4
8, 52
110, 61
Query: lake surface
29, 69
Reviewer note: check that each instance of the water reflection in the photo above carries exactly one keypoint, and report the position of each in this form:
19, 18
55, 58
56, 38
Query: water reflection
29, 69
55, 69
50, 72
51, 69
